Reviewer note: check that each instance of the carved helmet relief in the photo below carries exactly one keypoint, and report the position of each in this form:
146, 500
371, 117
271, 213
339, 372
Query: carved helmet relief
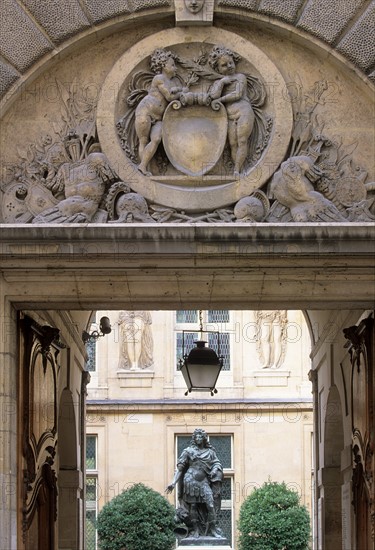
189, 132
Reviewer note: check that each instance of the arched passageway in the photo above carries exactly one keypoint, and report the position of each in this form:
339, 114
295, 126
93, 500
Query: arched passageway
53, 69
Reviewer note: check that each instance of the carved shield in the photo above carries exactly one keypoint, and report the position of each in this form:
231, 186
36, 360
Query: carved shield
39, 199
194, 137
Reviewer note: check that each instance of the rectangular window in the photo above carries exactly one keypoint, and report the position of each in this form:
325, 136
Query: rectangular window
223, 447
218, 316
187, 316
91, 492
91, 452
91, 356
91, 512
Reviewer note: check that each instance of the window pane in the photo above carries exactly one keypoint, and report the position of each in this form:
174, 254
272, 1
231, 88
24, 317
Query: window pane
224, 338
187, 316
90, 530
91, 452
218, 316
221, 443
224, 519
223, 448
91, 489
91, 353
190, 338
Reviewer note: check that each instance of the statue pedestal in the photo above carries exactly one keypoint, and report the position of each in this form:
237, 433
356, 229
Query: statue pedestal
206, 543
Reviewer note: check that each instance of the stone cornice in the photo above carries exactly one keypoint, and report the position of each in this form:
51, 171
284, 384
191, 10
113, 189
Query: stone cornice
258, 266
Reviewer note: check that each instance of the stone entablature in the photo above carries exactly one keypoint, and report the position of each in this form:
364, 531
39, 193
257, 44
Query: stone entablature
101, 264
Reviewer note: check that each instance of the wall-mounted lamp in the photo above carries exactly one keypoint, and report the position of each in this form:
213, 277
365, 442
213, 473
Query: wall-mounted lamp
104, 328
201, 367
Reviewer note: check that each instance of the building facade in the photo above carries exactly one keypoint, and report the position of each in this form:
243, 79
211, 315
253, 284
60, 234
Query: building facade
249, 186
260, 421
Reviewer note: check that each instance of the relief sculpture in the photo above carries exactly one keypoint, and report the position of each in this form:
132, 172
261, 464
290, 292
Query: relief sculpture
136, 341
191, 126
271, 340
184, 107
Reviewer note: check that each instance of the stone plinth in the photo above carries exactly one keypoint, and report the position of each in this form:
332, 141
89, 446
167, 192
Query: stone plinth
208, 543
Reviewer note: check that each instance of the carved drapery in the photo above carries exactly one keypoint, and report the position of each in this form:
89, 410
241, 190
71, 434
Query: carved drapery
38, 431
360, 344
271, 337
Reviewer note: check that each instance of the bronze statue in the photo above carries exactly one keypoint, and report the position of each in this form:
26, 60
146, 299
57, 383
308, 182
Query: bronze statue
199, 478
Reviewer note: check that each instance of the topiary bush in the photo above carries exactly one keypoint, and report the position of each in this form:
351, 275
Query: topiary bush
137, 519
272, 518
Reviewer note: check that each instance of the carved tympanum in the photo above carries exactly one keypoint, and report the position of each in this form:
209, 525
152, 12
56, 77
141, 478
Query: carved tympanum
189, 142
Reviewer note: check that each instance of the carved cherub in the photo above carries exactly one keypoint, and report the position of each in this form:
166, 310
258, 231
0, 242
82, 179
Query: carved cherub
149, 112
232, 91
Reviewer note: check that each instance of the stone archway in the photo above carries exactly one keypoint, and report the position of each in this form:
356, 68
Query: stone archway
312, 266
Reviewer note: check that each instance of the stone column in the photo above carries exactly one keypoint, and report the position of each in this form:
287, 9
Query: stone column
8, 426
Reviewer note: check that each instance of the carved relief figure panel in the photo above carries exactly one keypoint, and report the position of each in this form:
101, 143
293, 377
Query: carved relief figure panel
136, 341
173, 100
271, 337
187, 129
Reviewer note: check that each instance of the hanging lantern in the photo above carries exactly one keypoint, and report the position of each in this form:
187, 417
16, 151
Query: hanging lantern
201, 366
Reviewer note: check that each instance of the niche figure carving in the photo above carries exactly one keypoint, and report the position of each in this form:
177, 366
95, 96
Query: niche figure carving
271, 341
136, 341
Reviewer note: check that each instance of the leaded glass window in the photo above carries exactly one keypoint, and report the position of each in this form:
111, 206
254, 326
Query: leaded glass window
91, 452
221, 443
224, 347
218, 316
91, 492
187, 316
91, 356
91, 512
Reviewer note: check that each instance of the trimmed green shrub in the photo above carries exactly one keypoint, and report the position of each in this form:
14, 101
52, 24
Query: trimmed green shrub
271, 518
137, 519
